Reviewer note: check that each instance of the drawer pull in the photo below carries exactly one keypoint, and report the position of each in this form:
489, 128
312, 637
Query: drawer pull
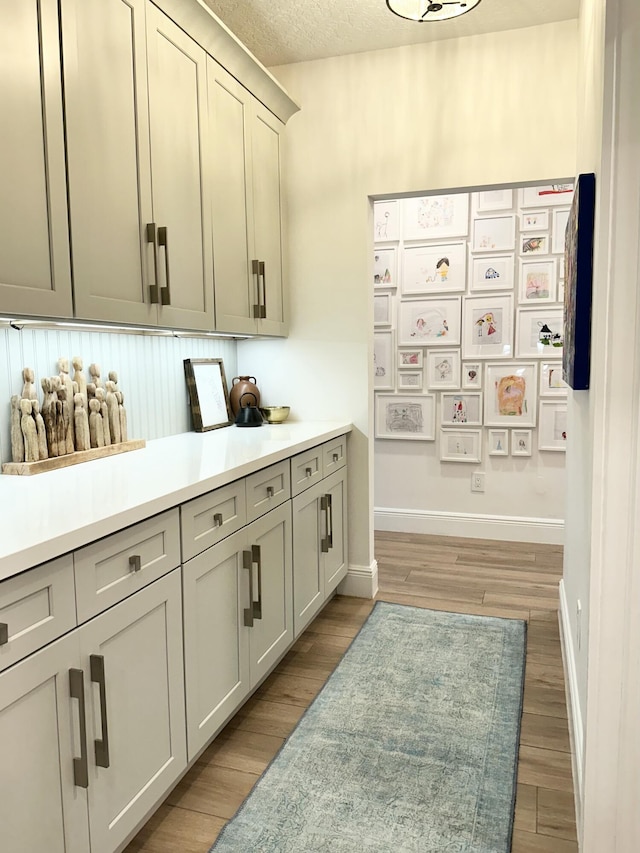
217, 519
152, 237
80, 765
270, 491
308, 472
163, 240
256, 557
4, 633
97, 676
324, 507
330, 520
248, 611
335, 457
135, 563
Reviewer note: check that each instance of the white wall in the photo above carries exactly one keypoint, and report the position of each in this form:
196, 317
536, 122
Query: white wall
458, 113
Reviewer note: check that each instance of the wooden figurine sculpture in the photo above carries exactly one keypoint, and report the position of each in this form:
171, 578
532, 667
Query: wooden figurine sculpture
43, 451
94, 373
67, 420
17, 438
112, 408
49, 416
28, 389
96, 434
29, 431
100, 396
79, 377
81, 423
67, 382
122, 413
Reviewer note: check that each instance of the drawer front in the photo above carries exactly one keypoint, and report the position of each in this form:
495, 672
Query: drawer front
208, 519
113, 568
36, 607
267, 489
306, 469
334, 455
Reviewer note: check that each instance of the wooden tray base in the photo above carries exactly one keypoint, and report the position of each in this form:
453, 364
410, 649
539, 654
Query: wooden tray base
55, 462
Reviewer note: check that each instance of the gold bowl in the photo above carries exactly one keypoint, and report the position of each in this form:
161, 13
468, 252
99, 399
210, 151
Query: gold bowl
275, 414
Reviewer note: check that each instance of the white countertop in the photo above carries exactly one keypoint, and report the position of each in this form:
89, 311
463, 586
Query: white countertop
45, 515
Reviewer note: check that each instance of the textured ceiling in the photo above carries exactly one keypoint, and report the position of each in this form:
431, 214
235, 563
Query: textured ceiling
278, 32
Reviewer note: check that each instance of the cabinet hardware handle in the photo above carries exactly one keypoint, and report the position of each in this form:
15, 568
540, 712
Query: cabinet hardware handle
135, 563
151, 238
248, 611
163, 240
80, 765
4, 633
255, 270
217, 519
308, 472
335, 457
324, 507
263, 307
96, 663
270, 491
330, 519
256, 557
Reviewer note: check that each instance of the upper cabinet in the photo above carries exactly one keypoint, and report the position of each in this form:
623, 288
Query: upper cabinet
35, 276
246, 204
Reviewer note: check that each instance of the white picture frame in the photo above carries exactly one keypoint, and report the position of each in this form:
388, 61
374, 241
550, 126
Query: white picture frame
552, 429
492, 272
534, 243
461, 407
410, 380
551, 382
498, 441
384, 369
546, 195
443, 369
386, 220
533, 327
382, 309
461, 445
385, 266
409, 358
208, 393
433, 217
472, 375
560, 219
411, 417
487, 326
436, 268
494, 234
521, 440
534, 220
430, 322
494, 199
537, 281
510, 394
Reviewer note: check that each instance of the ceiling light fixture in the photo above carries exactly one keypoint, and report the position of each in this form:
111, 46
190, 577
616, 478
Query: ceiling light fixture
423, 10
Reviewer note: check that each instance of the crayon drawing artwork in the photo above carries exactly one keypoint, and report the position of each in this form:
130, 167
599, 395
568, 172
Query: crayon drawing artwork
511, 393
409, 416
434, 269
430, 321
435, 216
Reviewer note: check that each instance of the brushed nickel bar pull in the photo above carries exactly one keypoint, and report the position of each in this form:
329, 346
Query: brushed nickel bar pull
270, 491
96, 663
217, 519
263, 307
135, 562
255, 270
4, 633
330, 520
308, 472
335, 457
256, 557
163, 240
80, 765
324, 507
154, 297
248, 611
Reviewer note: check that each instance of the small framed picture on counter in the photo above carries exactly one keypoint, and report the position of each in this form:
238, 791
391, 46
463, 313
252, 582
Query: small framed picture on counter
208, 393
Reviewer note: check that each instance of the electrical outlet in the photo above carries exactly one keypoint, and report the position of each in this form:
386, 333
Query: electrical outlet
477, 481
579, 623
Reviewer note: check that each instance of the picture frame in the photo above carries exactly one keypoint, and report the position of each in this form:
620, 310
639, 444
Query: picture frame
433, 217
552, 429
487, 326
494, 234
472, 375
411, 417
443, 369
521, 440
430, 322
546, 195
534, 243
539, 333
410, 380
534, 220
436, 268
208, 393
384, 360
494, 199
492, 272
386, 220
498, 442
510, 394
578, 261
383, 309
461, 445
537, 281
461, 407
385, 267
551, 382
410, 358
558, 231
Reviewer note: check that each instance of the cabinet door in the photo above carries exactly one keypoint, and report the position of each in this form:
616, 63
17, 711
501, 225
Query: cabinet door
230, 157
40, 806
179, 166
216, 642
269, 539
108, 157
308, 575
35, 273
136, 718
335, 559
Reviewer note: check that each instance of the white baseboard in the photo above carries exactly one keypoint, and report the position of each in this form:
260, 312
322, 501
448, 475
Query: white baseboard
503, 527
573, 707
360, 581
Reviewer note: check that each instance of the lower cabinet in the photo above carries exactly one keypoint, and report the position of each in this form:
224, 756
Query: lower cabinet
238, 620
93, 727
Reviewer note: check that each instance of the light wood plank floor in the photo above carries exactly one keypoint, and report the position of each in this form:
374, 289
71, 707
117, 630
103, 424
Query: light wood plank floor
444, 573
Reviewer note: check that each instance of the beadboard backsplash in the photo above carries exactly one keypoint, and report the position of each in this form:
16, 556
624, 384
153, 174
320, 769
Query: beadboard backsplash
150, 372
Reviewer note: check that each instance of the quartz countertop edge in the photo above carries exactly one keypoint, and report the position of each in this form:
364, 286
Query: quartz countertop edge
47, 515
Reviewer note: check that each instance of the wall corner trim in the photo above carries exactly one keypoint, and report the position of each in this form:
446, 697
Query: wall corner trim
360, 581
576, 732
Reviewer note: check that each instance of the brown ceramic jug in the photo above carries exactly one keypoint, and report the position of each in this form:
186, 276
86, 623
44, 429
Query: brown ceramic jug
243, 385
